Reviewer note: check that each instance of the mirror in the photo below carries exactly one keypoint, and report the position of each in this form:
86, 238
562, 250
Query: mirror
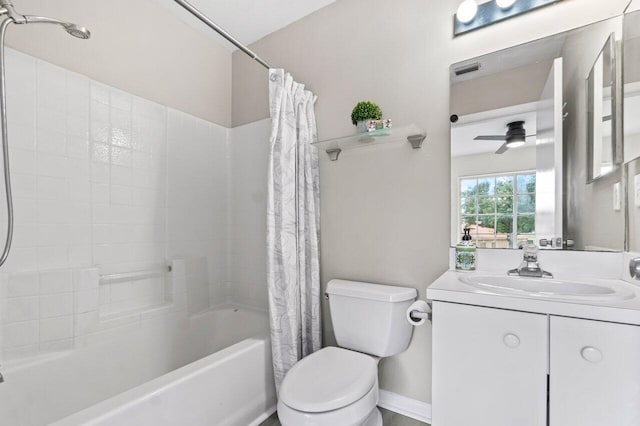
519, 150
632, 125
601, 114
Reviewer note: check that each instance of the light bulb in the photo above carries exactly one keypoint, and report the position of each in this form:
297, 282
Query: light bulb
505, 4
515, 142
467, 11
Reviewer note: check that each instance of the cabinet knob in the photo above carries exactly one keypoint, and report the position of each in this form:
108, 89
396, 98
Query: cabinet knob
591, 354
511, 340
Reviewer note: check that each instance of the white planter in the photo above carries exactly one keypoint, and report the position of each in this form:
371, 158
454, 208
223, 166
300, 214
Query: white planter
363, 126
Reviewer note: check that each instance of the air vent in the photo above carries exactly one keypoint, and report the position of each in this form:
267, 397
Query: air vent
466, 69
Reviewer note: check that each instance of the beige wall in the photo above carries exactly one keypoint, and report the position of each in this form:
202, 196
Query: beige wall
589, 218
136, 46
385, 210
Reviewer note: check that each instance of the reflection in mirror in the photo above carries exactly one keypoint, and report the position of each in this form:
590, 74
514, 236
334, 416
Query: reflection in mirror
519, 150
632, 125
601, 114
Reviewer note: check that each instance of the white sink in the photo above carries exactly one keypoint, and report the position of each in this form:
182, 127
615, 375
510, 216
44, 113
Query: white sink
585, 290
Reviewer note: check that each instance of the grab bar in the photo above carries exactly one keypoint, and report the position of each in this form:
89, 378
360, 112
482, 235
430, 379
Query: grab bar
133, 276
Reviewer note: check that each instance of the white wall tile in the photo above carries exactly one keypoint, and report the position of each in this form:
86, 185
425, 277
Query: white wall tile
56, 282
85, 279
56, 305
56, 328
19, 309
23, 161
20, 334
56, 345
52, 165
12, 353
17, 285
86, 301
23, 185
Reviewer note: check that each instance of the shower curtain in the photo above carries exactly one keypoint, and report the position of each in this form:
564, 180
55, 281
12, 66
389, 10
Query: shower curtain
293, 224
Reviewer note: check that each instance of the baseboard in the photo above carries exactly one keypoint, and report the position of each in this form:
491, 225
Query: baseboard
408, 407
264, 416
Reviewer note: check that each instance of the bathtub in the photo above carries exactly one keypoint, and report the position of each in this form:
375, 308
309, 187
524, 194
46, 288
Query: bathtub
213, 368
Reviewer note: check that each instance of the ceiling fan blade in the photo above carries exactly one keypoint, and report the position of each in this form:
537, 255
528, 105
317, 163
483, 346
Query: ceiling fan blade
490, 138
504, 148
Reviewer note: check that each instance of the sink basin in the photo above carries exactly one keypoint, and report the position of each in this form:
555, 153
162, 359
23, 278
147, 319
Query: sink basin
592, 290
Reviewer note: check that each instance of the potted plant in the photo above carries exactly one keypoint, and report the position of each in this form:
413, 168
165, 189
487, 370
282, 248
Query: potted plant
363, 114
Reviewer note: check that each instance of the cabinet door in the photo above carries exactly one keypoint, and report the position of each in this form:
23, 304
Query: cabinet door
595, 373
489, 367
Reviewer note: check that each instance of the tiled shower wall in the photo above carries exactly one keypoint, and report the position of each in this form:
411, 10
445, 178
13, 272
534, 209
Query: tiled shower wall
108, 181
92, 181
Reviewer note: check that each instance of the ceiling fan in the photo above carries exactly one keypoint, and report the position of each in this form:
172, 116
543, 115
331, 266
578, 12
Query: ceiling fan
516, 136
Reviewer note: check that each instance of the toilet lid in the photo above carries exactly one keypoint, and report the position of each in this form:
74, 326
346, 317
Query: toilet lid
329, 379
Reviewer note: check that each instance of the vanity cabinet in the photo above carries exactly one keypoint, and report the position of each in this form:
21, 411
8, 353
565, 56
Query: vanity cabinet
489, 367
594, 373
496, 367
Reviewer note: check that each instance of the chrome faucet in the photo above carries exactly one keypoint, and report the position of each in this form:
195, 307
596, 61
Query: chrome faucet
530, 266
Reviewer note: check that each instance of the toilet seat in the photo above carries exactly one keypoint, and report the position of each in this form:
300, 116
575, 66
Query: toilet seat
328, 380
361, 413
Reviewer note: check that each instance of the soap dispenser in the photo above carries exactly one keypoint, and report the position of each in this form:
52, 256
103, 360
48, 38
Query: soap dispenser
466, 252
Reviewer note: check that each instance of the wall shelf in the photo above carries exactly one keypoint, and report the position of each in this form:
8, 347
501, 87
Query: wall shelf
412, 134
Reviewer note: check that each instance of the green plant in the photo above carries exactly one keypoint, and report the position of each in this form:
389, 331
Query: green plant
365, 110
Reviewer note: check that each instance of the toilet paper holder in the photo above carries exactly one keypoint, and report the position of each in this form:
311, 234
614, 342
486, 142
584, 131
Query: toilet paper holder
418, 315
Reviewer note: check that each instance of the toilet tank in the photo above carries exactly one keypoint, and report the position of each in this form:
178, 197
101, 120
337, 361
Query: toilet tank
370, 318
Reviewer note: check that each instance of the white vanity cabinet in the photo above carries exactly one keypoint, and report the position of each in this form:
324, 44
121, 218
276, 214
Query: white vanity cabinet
489, 367
594, 373
498, 367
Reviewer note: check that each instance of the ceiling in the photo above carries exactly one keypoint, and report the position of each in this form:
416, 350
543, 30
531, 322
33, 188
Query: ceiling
490, 123
245, 20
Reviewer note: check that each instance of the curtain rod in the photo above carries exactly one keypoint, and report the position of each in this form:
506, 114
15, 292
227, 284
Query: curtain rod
201, 16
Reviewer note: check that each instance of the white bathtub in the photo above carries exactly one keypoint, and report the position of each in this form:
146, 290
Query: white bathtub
213, 369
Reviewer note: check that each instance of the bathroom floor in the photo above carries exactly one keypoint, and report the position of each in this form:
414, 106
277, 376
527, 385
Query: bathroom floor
389, 418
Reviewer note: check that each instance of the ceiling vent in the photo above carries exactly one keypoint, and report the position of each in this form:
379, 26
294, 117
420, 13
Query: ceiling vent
466, 69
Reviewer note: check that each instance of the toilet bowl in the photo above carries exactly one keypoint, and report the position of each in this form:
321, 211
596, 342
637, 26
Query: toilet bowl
338, 386
333, 386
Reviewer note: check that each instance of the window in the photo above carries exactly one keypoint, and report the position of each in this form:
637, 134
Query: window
499, 209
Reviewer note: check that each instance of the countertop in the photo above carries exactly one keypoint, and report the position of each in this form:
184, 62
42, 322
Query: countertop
448, 288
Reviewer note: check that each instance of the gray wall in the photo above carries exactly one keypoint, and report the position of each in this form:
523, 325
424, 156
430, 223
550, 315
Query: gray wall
136, 46
385, 210
589, 216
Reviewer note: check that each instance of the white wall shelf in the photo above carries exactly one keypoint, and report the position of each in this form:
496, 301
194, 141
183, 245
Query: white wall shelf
412, 133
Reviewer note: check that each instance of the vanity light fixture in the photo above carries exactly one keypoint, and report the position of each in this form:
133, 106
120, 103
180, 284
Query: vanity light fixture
471, 16
505, 4
467, 11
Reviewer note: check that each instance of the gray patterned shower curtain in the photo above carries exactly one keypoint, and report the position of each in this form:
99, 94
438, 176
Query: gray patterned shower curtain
293, 224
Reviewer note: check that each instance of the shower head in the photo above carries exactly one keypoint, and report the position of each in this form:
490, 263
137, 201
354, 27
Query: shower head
77, 31
73, 29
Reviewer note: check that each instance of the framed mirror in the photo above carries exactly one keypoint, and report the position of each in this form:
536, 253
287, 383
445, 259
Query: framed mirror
602, 139
519, 122
632, 125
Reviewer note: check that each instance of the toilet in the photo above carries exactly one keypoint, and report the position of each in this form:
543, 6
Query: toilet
338, 386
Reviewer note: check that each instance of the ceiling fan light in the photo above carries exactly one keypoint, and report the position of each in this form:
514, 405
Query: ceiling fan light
467, 11
505, 4
515, 142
